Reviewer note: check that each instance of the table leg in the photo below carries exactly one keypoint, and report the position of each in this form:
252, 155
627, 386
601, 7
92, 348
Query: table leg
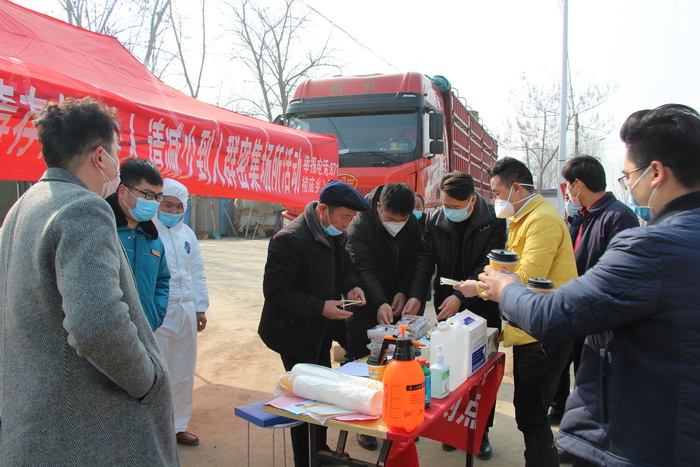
313, 446
342, 440
384, 453
470, 460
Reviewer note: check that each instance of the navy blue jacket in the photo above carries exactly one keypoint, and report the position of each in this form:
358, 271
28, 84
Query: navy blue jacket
601, 222
636, 400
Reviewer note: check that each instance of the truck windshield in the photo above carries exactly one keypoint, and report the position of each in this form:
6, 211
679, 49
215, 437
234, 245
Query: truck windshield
375, 140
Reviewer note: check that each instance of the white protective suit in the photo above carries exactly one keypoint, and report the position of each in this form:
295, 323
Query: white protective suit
177, 336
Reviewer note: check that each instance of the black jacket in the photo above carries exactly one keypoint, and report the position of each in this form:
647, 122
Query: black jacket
383, 264
305, 267
484, 232
601, 222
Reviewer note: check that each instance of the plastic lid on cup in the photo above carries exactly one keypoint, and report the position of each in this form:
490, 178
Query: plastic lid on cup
503, 256
540, 283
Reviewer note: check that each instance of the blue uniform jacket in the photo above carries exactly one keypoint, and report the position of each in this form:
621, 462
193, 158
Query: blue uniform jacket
146, 256
636, 398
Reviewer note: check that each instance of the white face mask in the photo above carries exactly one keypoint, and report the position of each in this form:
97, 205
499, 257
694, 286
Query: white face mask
393, 227
109, 186
504, 208
574, 199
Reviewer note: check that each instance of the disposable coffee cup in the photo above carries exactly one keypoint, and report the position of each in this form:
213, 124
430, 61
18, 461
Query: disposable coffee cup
539, 285
499, 259
374, 369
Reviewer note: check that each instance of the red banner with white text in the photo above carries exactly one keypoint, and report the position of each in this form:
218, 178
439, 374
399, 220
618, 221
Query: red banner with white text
213, 151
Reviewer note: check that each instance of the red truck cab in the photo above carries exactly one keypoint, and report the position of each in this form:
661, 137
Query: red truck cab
405, 128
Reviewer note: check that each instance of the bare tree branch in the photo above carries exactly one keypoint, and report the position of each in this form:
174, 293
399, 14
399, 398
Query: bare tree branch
269, 45
535, 129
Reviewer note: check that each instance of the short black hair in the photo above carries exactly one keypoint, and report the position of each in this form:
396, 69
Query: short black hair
669, 134
422, 200
397, 198
68, 131
133, 171
511, 170
457, 185
588, 169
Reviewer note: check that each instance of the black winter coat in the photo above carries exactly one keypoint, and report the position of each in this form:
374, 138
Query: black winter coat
440, 247
304, 268
384, 265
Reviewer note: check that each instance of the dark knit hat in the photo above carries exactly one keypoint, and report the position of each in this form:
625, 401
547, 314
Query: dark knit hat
338, 193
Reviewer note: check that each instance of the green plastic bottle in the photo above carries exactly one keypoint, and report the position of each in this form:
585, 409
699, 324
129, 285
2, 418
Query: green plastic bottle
426, 373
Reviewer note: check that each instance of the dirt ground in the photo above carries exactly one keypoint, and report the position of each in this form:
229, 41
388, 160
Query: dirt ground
235, 368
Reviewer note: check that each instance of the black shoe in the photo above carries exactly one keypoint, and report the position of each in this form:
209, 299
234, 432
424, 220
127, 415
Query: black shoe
486, 451
417, 439
447, 447
554, 417
367, 442
565, 457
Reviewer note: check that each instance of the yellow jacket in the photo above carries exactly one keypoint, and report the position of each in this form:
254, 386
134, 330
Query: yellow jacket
539, 236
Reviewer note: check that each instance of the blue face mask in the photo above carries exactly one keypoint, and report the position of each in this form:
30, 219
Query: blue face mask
170, 220
330, 230
457, 215
145, 210
643, 212
418, 214
572, 209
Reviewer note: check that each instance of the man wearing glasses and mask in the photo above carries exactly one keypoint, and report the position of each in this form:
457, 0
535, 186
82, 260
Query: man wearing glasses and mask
134, 204
635, 401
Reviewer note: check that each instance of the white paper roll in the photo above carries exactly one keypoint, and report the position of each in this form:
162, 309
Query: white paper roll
345, 395
310, 369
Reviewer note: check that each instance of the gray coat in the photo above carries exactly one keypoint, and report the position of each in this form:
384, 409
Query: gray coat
81, 379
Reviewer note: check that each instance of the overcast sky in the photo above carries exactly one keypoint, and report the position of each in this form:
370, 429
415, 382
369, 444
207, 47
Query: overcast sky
648, 48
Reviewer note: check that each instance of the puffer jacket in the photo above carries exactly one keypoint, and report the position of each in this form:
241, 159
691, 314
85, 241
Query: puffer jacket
636, 397
383, 264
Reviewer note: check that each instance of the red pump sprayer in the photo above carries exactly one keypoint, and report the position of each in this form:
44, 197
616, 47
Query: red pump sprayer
403, 406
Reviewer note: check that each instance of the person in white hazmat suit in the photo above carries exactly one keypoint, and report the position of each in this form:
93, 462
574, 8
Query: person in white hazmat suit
187, 304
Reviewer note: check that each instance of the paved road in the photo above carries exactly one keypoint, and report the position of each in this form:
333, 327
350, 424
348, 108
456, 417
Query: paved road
234, 368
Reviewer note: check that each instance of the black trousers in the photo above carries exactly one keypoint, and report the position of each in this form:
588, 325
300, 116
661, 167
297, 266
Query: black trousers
300, 434
536, 371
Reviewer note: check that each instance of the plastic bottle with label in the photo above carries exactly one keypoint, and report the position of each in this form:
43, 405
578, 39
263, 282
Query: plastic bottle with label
428, 380
439, 376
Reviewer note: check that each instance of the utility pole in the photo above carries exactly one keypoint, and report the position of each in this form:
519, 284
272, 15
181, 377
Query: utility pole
576, 150
563, 112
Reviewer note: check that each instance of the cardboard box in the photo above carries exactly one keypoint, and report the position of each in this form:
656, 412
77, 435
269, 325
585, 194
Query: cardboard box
475, 341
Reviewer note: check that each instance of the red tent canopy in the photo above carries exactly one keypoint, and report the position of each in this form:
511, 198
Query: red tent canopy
213, 151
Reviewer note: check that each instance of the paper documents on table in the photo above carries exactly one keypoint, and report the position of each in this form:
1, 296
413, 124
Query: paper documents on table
446, 281
319, 411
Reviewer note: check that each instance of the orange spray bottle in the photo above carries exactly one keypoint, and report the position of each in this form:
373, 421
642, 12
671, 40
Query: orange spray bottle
404, 388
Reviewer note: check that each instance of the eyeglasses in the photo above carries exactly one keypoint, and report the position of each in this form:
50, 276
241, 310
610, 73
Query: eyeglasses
149, 195
624, 180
